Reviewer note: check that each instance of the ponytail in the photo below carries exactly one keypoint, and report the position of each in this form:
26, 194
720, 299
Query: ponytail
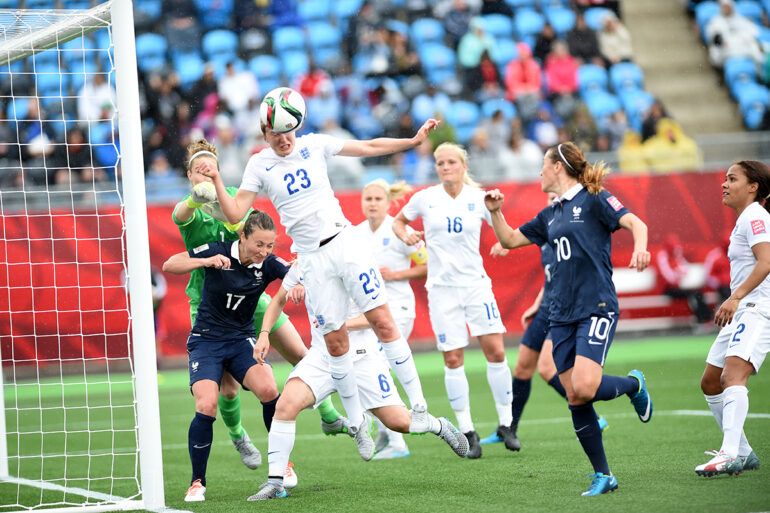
394, 191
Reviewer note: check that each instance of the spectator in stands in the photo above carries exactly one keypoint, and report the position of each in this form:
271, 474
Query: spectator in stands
583, 44
730, 34
249, 14
498, 130
617, 126
160, 173
471, 47
362, 29
388, 102
581, 129
543, 129
230, 154
523, 82
485, 156
74, 161
484, 80
203, 87
672, 269
496, 7
456, 20
561, 75
418, 164
671, 150
164, 95
309, 84
655, 113
402, 59
181, 25
544, 42
717, 269
614, 41
522, 157
96, 100
8, 152
324, 106
237, 88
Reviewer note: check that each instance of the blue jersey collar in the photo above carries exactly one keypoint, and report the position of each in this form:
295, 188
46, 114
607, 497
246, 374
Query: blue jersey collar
571, 193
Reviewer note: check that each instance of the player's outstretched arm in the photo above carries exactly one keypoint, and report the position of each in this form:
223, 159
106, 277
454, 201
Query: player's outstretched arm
409, 237
235, 208
182, 263
386, 145
272, 312
641, 257
508, 237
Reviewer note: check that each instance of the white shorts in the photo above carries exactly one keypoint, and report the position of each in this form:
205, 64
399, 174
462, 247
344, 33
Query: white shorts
375, 384
452, 308
747, 337
341, 270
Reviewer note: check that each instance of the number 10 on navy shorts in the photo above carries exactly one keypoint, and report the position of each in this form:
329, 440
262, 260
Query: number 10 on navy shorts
590, 338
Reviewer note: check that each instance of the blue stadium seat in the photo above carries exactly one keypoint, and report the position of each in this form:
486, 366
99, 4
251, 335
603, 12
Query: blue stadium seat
397, 26
763, 36
504, 52
79, 73
78, 50
344, 9
150, 51
373, 173
189, 67
739, 70
751, 9
595, 17
150, 8
602, 104
18, 108
489, 107
498, 25
322, 35
220, 65
753, 100
636, 103
463, 116
592, 78
221, 45
516, 4
288, 39
425, 107
704, 11
45, 60
528, 23
294, 63
51, 82
314, 10
215, 14
561, 19
267, 69
426, 30
438, 61
626, 75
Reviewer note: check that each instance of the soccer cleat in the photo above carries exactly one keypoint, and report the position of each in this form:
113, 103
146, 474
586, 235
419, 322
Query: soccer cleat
721, 463
602, 483
456, 440
250, 455
603, 424
420, 423
389, 452
290, 477
750, 462
339, 426
494, 438
269, 491
641, 400
363, 437
508, 434
196, 492
381, 441
474, 448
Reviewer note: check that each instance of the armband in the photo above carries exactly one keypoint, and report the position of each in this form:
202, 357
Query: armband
420, 256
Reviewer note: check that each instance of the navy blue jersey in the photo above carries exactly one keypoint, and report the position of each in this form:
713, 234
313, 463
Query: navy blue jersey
578, 229
230, 296
546, 258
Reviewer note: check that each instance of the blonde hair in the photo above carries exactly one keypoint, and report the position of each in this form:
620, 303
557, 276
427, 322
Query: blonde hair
199, 146
463, 154
394, 191
590, 176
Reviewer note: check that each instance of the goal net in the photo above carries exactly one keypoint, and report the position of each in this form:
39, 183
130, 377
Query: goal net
79, 421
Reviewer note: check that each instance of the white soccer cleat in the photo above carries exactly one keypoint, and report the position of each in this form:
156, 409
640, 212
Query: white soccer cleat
290, 477
250, 455
390, 452
420, 422
721, 463
269, 491
456, 440
196, 492
363, 437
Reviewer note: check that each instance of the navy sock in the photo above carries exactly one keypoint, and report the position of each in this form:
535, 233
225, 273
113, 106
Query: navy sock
268, 411
520, 389
615, 386
199, 440
590, 436
555, 382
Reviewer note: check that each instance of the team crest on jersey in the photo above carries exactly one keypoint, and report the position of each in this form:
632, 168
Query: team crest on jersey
258, 274
614, 203
576, 213
305, 153
471, 207
441, 338
200, 248
320, 320
385, 241
758, 226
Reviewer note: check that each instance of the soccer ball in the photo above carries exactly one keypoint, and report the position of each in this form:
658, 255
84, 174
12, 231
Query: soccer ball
282, 110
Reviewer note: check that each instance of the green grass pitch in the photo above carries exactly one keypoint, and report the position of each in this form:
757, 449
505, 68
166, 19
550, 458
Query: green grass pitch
653, 462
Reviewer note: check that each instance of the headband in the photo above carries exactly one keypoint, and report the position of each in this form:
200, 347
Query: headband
558, 148
200, 154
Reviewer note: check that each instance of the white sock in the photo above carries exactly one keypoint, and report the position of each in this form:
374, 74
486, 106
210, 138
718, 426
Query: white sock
734, 411
399, 356
499, 379
344, 376
435, 425
458, 392
280, 442
715, 404
396, 439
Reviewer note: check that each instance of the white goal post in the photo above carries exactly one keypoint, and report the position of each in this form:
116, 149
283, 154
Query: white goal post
79, 411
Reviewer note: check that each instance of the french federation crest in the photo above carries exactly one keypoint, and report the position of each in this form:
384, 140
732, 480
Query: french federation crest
305, 153
471, 207
258, 274
576, 212
385, 241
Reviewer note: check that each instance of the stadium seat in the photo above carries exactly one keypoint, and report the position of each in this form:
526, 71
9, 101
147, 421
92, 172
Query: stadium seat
753, 100
79, 72
253, 42
763, 36
516, 4
425, 107
288, 39
504, 51
592, 78
220, 65
373, 173
426, 31
438, 61
150, 8
626, 75
561, 19
397, 26
40, 4
636, 103
344, 9
751, 9
215, 14
220, 45
18, 108
294, 63
704, 11
314, 10
45, 60
602, 104
739, 70
267, 69
322, 35
150, 52
489, 107
78, 50
594, 17
528, 23
498, 25
463, 116
189, 67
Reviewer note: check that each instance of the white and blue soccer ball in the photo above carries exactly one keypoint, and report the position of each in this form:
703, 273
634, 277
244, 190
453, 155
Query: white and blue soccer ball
282, 110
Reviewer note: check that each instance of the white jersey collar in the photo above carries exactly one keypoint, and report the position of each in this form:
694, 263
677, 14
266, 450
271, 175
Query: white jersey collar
571, 193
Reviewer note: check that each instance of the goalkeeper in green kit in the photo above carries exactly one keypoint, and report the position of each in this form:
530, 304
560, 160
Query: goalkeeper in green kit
197, 218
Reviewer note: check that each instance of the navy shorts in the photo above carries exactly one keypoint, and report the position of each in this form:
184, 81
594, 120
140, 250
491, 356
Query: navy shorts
537, 331
589, 337
207, 358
